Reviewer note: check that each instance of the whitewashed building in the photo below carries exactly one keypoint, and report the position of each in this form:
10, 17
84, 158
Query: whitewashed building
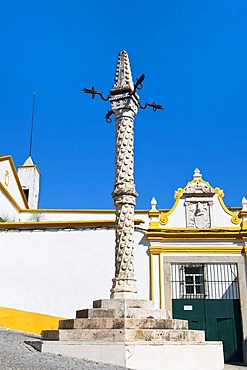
190, 259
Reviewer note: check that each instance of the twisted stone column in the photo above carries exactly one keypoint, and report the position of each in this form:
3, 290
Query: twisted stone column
124, 104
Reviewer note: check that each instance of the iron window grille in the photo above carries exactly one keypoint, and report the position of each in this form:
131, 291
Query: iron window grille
209, 281
192, 281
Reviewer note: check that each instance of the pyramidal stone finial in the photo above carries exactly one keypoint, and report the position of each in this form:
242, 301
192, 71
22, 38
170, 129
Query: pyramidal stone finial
197, 174
153, 203
244, 203
123, 78
28, 162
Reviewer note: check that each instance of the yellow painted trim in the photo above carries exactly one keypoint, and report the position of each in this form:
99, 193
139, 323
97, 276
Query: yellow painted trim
59, 224
5, 157
195, 230
161, 281
30, 166
243, 213
27, 321
6, 178
142, 211
154, 225
10, 198
244, 224
9, 158
139, 221
164, 216
152, 278
202, 234
44, 210
235, 219
238, 249
153, 213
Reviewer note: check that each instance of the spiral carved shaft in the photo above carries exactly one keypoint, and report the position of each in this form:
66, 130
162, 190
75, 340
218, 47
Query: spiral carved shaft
124, 252
124, 150
124, 195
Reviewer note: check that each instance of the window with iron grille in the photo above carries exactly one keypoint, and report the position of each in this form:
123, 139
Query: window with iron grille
210, 281
193, 281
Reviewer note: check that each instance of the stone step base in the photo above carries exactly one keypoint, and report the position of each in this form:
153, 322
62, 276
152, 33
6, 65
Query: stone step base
122, 312
119, 303
119, 323
124, 335
143, 356
123, 308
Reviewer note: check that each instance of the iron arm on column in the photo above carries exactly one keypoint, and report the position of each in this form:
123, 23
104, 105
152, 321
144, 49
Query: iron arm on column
137, 86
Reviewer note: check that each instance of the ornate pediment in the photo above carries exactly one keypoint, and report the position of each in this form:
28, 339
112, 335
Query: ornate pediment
199, 205
198, 202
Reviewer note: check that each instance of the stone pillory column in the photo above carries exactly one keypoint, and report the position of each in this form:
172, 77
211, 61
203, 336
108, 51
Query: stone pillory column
126, 331
124, 102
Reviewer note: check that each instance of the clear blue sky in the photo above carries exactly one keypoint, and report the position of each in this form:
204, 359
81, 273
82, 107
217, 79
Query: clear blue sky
194, 56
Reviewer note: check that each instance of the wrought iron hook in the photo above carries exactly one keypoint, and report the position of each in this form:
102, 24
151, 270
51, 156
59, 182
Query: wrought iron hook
153, 105
138, 84
94, 92
108, 115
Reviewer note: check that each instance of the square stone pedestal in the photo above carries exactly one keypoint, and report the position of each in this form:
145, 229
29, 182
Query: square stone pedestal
135, 335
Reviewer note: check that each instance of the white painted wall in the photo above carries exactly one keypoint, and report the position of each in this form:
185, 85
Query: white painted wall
29, 177
221, 218
178, 217
63, 215
7, 210
58, 272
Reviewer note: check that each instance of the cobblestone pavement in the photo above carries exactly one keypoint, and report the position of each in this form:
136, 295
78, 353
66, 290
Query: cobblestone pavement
16, 355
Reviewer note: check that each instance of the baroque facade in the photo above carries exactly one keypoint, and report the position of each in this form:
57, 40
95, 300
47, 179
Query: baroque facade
198, 263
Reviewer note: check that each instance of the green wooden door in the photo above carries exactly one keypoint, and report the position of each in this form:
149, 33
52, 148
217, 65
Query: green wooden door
220, 318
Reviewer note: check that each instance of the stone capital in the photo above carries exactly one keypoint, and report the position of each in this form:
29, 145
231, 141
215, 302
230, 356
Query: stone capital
124, 105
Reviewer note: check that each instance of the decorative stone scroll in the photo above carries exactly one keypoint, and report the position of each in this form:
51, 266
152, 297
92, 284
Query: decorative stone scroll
198, 188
